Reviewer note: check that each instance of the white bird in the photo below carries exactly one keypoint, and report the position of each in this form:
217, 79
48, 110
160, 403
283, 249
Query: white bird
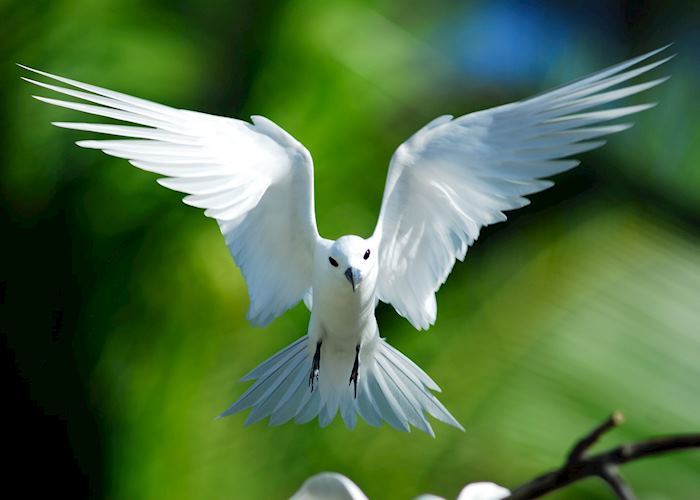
451, 178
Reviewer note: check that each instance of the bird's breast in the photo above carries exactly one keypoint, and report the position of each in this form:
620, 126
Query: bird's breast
345, 318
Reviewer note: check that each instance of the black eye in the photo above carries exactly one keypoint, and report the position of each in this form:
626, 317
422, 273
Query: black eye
333, 262
366, 254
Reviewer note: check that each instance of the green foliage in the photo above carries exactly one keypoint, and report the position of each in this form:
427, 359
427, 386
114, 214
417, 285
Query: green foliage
583, 303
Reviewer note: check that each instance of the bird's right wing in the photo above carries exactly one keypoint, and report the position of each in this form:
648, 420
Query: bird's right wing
255, 179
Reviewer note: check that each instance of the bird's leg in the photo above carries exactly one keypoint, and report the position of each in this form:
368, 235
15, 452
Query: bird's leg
355, 369
315, 366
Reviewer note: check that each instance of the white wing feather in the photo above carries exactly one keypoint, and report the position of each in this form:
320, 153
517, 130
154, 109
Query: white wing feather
254, 179
455, 176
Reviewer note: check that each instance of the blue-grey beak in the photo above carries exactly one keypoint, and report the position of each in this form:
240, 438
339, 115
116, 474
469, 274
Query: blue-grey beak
353, 276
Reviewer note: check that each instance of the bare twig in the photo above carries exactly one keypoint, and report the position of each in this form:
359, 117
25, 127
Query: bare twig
578, 451
611, 475
603, 465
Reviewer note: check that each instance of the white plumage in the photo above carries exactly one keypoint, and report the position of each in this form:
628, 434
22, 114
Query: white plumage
446, 182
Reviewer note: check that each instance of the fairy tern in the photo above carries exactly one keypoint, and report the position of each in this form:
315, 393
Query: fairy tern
450, 179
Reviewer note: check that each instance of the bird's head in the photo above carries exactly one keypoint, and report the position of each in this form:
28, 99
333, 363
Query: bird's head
353, 259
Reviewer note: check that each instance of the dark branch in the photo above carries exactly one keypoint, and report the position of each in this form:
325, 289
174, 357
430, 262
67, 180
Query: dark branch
634, 451
578, 451
619, 486
603, 465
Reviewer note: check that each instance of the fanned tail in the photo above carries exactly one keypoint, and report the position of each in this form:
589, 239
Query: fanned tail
394, 389
281, 389
391, 388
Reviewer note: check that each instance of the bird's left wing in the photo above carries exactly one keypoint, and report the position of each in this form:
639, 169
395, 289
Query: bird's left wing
455, 176
255, 179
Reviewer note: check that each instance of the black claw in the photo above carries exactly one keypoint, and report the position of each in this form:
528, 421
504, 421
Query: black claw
315, 366
355, 369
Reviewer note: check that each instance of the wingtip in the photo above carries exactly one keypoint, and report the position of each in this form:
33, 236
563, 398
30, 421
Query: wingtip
659, 81
658, 51
621, 127
47, 100
655, 52
33, 70
41, 98
668, 58
88, 144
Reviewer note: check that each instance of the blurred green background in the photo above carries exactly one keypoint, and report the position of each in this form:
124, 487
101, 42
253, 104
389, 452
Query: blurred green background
123, 317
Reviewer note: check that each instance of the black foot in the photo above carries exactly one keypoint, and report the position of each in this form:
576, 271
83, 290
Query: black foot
355, 369
315, 366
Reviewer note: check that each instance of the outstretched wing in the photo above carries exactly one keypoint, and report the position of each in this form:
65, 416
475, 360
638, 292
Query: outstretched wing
255, 179
455, 176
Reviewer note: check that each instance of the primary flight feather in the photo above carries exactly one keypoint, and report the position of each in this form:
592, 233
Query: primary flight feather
451, 178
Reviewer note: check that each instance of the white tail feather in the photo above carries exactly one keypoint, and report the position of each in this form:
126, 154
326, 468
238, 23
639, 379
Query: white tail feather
391, 388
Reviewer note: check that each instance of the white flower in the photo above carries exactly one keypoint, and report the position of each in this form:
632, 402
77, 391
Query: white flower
483, 491
334, 486
475, 491
329, 486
